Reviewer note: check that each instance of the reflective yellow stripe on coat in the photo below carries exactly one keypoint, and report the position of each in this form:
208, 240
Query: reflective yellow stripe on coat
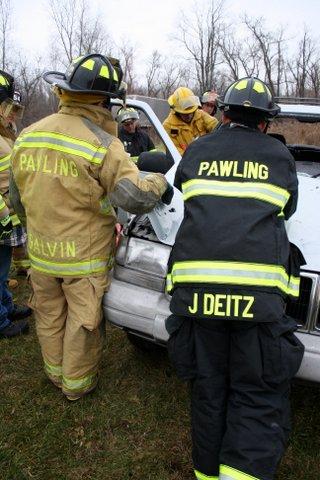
4, 163
67, 268
233, 273
202, 476
265, 192
229, 473
2, 204
62, 143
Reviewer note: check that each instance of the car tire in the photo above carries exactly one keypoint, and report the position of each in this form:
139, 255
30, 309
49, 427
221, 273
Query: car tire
144, 345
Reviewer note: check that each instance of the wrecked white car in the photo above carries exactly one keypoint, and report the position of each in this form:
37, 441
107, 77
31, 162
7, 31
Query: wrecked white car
137, 302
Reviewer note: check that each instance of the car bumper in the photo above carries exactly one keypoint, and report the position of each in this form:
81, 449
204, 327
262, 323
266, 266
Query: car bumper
137, 309
124, 304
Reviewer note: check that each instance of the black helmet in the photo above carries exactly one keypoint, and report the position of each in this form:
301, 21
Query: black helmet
6, 86
251, 94
91, 73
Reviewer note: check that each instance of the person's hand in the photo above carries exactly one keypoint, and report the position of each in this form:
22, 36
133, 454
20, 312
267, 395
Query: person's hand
5, 227
168, 194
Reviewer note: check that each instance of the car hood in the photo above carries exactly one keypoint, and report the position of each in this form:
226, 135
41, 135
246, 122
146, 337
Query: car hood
304, 226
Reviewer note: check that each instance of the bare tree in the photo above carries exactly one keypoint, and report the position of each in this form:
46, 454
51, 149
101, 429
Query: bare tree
171, 77
271, 46
5, 27
242, 57
126, 53
153, 73
200, 36
35, 95
76, 31
314, 76
302, 63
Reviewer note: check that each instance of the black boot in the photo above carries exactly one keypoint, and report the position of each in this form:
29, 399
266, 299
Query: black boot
19, 312
14, 329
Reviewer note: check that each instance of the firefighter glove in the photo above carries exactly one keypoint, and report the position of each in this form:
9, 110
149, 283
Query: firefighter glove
168, 194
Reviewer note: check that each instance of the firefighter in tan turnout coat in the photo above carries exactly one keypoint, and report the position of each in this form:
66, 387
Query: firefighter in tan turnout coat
69, 170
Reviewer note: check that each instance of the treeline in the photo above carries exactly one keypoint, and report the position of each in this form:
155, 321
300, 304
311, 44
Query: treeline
208, 51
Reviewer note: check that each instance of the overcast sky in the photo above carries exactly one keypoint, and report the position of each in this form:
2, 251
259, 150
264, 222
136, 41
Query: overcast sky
149, 23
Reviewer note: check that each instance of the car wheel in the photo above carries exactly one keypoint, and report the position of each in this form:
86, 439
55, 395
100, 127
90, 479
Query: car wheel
143, 345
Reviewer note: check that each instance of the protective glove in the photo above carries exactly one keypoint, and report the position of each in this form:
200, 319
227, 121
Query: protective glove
5, 227
168, 194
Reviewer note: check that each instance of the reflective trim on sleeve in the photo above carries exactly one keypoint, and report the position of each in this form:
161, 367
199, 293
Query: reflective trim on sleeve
15, 220
79, 385
229, 473
202, 476
105, 206
66, 269
258, 190
2, 204
234, 273
62, 143
5, 163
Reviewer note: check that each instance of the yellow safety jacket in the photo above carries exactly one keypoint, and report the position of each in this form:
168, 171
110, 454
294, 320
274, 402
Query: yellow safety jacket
5, 152
69, 172
182, 133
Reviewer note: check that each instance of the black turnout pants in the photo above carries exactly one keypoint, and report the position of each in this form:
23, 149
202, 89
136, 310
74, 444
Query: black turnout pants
240, 376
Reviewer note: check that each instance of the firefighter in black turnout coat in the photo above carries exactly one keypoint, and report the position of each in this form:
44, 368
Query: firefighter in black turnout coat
230, 272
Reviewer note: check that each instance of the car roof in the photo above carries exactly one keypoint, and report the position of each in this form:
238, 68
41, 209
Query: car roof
303, 113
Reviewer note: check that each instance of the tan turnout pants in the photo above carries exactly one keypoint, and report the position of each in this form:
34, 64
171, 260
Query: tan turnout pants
68, 315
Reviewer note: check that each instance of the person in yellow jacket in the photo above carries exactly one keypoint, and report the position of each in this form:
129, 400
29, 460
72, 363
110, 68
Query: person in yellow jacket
11, 232
69, 171
186, 121
8, 131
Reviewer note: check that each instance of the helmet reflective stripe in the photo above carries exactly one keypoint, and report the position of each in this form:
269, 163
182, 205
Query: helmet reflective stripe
261, 191
62, 143
79, 384
3, 81
202, 476
115, 75
241, 85
229, 473
259, 87
89, 64
65, 269
4, 163
104, 71
235, 273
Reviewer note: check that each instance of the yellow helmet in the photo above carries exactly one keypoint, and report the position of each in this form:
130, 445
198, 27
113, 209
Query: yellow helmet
184, 101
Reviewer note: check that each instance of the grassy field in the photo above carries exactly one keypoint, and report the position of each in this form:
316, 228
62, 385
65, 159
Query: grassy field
134, 427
